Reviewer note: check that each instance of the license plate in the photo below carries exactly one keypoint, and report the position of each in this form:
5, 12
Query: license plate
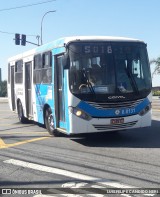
117, 121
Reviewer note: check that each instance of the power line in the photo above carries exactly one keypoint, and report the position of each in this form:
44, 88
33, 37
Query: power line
4, 32
11, 33
24, 6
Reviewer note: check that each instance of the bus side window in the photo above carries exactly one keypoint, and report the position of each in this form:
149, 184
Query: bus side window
37, 74
19, 71
47, 67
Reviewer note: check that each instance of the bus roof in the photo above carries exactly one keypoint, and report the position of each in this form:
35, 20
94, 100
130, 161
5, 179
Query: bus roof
64, 41
99, 38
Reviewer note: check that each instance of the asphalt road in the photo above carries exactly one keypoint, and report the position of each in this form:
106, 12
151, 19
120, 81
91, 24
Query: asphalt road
31, 158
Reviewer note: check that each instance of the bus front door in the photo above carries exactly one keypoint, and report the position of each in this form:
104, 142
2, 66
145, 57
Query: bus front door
59, 96
28, 88
12, 89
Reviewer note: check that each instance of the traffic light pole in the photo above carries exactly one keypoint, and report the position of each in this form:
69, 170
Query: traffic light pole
32, 43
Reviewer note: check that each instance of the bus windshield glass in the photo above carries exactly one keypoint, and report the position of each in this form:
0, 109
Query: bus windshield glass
109, 68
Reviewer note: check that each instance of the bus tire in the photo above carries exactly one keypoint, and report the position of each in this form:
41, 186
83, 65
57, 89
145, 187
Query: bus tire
49, 122
21, 117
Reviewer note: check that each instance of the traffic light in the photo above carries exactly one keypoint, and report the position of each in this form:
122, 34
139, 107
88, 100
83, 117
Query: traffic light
23, 40
17, 39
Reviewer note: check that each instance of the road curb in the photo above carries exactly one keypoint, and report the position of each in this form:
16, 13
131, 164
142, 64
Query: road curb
3, 100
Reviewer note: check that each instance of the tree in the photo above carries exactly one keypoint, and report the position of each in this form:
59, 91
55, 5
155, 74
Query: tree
3, 88
157, 68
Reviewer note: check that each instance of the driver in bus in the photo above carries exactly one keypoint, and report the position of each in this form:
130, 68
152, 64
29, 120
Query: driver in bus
95, 75
122, 76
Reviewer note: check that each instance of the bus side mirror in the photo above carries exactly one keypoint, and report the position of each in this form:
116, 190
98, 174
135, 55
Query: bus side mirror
65, 61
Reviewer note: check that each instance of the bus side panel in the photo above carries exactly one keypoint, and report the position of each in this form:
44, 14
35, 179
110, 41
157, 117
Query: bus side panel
44, 95
20, 96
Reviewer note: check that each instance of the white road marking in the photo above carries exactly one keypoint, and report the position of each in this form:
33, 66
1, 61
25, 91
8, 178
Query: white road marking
66, 173
43, 195
71, 175
68, 195
74, 185
98, 186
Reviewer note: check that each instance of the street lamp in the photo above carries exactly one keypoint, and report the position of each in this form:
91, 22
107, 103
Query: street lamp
42, 22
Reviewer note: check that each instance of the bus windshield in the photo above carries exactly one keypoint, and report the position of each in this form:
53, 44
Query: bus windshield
109, 68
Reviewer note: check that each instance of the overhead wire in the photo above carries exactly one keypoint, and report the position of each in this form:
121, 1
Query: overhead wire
4, 32
24, 6
11, 33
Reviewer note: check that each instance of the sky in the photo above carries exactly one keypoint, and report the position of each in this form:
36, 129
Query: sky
127, 18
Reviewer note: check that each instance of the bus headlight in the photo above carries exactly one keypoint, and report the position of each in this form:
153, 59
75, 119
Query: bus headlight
145, 110
80, 113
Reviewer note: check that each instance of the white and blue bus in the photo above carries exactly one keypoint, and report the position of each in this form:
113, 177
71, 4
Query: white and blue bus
83, 84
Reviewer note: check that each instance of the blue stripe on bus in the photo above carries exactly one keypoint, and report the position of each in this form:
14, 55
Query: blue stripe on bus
49, 46
44, 95
92, 111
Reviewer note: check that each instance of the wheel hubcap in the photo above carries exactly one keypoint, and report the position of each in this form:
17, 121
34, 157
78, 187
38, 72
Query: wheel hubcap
50, 121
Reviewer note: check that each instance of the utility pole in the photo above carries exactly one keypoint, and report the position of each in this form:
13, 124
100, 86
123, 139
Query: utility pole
42, 24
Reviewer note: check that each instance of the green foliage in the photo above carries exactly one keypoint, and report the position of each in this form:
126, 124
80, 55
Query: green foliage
157, 66
3, 88
156, 93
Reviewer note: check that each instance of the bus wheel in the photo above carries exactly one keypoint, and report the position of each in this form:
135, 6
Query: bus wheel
21, 117
49, 122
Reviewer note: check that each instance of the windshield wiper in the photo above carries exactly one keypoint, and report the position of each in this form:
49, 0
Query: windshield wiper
88, 82
132, 80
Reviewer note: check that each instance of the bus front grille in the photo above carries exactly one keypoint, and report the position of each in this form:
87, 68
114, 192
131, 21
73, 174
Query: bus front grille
105, 127
126, 104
